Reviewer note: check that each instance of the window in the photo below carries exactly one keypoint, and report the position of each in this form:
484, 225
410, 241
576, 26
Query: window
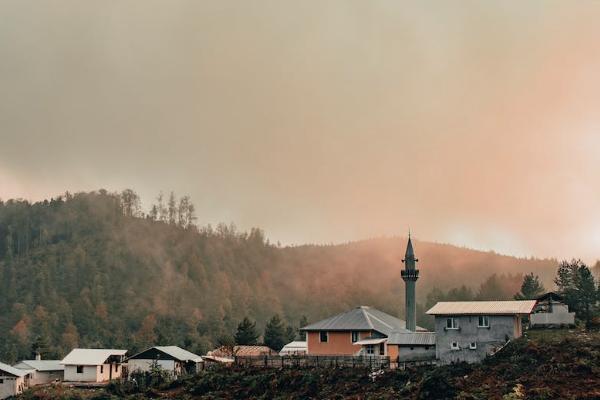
382, 349
323, 336
116, 367
473, 346
1, 381
454, 346
451, 323
80, 369
102, 369
370, 349
354, 336
484, 321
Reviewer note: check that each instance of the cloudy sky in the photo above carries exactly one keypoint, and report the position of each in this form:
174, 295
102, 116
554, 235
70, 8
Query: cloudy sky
475, 123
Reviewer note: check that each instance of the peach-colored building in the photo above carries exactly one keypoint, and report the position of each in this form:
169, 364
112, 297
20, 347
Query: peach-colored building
364, 331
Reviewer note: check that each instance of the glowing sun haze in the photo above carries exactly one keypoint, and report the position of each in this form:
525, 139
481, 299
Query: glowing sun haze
475, 123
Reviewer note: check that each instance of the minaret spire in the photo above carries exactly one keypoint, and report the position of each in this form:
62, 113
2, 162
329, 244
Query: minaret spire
410, 274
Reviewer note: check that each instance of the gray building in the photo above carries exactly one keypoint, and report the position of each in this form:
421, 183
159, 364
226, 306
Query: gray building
470, 330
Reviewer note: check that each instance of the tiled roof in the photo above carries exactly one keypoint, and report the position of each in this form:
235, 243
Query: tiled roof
362, 318
482, 307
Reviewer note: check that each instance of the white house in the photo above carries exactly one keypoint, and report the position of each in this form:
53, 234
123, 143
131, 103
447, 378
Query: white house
172, 359
93, 365
294, 348
12, 380
42, 371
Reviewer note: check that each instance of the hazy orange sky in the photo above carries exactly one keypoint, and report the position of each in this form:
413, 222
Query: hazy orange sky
475, 123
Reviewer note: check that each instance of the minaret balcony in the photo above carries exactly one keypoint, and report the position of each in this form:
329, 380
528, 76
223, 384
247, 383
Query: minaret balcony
409, 274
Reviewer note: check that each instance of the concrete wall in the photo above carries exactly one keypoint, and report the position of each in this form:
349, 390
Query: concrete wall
90, 373
42, 377
559, 316
144, 365
339, 343
486, 339
11, 386
408, 353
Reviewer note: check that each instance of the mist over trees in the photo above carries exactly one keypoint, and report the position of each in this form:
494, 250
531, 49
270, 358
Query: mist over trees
95, 270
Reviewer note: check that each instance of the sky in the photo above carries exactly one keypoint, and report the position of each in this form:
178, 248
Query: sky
473, 123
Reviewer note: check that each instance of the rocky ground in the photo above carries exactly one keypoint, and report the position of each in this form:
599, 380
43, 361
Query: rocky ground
541, 365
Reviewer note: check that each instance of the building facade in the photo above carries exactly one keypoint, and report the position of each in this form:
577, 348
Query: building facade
172, 359
551, 312
93, 365
13, 381
470, 330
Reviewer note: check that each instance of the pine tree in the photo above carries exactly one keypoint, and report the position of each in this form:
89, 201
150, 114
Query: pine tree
275, 333
246, 333
531, 288
576, 284
303, 323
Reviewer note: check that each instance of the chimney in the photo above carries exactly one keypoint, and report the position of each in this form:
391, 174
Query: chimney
410, 274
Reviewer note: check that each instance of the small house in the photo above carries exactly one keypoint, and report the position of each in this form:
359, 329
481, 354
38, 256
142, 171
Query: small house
295, 348
13, 381
93, 365
175, 360
42, 371
551, 312
361, 331
470, 330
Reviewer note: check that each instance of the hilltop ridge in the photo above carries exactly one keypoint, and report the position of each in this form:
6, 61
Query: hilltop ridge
79, 271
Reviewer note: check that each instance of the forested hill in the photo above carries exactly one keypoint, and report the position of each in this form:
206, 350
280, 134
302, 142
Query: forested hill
88, 270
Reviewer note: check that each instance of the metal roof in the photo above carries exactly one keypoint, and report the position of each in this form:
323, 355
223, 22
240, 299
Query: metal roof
13, 371
295, 345
368, 341
90, 356
174, 351
482, 307
40, 365
412, 339
361, 318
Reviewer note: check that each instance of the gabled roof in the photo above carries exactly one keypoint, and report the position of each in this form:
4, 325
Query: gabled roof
90, 356
295, 345
482, 307
174, 351
412, 339
13, 371
41, 365
362, 318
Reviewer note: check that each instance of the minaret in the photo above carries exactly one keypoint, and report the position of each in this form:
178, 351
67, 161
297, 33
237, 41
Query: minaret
410, 274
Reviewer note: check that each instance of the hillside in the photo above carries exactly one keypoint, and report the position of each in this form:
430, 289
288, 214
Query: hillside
542, 365
80, 270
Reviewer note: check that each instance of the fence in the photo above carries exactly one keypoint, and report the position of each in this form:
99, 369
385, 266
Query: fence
376, 362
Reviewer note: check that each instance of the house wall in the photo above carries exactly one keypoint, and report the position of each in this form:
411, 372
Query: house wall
11, 386
42, 377
90, 373
105, 375
487, 339
144, 365
560, 315
339, 343
413, 353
